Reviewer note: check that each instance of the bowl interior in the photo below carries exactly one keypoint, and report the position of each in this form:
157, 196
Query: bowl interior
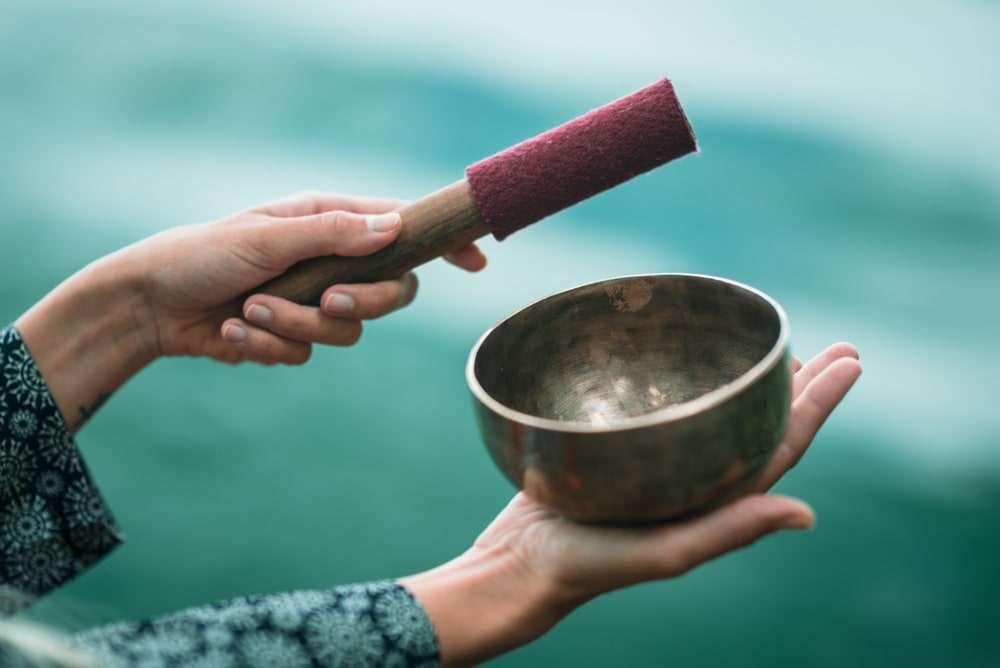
623, 348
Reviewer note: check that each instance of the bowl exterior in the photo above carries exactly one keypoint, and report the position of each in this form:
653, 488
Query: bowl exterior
653, 473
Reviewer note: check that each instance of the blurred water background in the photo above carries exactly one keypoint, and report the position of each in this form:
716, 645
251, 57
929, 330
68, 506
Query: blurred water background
849, 167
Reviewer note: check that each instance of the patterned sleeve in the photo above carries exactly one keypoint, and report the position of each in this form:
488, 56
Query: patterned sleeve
374, 624
53, 522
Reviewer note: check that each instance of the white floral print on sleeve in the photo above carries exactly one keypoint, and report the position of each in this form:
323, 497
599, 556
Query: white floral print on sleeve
373, 624
53, 522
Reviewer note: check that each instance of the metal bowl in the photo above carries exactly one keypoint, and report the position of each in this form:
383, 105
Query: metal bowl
636, 399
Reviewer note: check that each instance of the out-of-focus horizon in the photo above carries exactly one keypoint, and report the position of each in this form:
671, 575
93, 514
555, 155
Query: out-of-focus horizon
848, 167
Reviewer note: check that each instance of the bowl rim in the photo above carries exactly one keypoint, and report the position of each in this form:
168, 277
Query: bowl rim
671, 413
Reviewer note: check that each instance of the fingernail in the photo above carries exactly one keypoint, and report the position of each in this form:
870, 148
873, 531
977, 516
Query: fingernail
234, 333
409, 290
385, 222
259, 314
338, 302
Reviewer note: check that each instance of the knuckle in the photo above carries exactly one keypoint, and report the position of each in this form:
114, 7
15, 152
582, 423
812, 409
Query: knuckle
290, 354
349, 333
299, 355
340, 223
680, 561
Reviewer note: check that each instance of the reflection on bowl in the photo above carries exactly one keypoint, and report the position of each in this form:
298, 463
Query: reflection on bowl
635, 399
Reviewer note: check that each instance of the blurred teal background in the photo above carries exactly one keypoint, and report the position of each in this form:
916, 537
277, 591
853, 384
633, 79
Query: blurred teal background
849, 167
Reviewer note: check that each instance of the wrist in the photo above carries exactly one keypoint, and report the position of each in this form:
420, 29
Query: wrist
89, 336
485, 603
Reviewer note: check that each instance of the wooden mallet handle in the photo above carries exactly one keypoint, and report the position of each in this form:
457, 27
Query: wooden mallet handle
435, 225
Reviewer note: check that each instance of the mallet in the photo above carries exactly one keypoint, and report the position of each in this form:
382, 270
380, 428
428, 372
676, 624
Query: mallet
514, 188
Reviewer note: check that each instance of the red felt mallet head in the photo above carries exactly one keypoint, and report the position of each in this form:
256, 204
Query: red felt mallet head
579, 159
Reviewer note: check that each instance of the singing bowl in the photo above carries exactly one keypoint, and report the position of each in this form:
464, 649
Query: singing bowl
637, 399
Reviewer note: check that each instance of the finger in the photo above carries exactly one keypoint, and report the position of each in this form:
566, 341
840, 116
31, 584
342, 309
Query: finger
808, 413
366, 301
794, 366
816, 365
310, 203
469, 258
672, 550
304, 324
262, 346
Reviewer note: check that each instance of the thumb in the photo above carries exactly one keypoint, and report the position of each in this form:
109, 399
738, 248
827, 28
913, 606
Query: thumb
285, 241
679, 548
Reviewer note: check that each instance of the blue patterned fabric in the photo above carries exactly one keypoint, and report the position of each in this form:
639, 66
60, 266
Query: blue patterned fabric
53, 524
375, 624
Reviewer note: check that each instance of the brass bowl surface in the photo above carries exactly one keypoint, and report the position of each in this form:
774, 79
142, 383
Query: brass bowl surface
635, 399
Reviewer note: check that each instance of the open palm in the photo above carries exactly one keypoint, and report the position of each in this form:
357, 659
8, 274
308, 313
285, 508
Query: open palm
582, 561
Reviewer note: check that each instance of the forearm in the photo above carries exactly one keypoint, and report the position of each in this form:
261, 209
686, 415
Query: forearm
89, 336
484, 604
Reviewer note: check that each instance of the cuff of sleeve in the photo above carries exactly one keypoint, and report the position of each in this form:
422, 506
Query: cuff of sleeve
53, 521
370, 624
